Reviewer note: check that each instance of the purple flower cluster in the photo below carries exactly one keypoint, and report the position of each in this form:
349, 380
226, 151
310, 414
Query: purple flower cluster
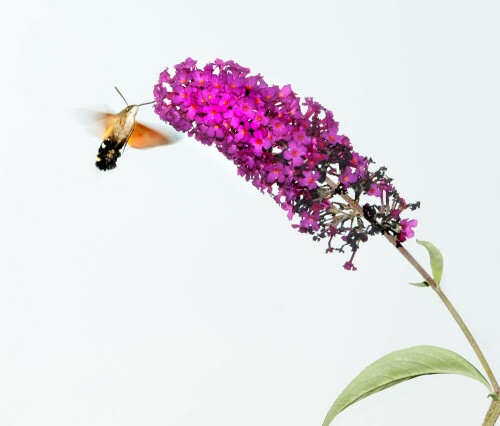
288, 148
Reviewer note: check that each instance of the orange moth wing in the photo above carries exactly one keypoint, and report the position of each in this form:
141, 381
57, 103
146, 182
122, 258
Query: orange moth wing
145, 137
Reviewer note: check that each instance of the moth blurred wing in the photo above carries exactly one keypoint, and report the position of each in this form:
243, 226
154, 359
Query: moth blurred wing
145, 137
96, 122
106, 123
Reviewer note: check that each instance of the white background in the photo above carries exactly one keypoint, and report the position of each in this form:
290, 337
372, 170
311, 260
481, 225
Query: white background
169, 291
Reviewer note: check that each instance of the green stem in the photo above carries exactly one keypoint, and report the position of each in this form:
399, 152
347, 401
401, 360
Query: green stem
453, 312
471, 340
494, 411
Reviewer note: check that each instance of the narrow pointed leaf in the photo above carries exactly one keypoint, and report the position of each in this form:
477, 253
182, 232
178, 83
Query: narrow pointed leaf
422, 284
436, 260
398, 367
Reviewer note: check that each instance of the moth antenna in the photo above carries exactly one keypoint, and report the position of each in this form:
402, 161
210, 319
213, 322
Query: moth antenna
123, 97
146, 103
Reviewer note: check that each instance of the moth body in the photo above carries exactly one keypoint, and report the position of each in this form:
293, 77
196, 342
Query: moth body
116, 137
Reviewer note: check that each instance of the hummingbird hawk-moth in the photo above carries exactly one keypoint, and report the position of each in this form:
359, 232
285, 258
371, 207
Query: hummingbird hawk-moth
121, 130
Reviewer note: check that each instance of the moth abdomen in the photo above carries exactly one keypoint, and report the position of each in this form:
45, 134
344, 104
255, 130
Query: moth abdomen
109, 152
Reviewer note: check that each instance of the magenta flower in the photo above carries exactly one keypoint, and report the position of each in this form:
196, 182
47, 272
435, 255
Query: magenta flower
347, 177
245, 109
275, 173
201, 78
301, 137
309, 221
295, 153
212, 115
310, 179
279, 127
210, 96
183, 95
215, 131
260, 119
242, 133
286, 147
406, 231
259, 142
285, 92
349, 266
270, 94
227, 100
230, 118
374, 190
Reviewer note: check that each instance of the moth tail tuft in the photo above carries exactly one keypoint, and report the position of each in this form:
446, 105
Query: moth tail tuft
108, 155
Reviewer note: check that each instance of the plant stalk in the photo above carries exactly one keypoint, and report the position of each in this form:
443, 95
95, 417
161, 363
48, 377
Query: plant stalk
494, 411
453, 312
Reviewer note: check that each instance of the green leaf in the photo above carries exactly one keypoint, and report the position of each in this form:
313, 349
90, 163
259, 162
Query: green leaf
398, 367
436, 260
422, 284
